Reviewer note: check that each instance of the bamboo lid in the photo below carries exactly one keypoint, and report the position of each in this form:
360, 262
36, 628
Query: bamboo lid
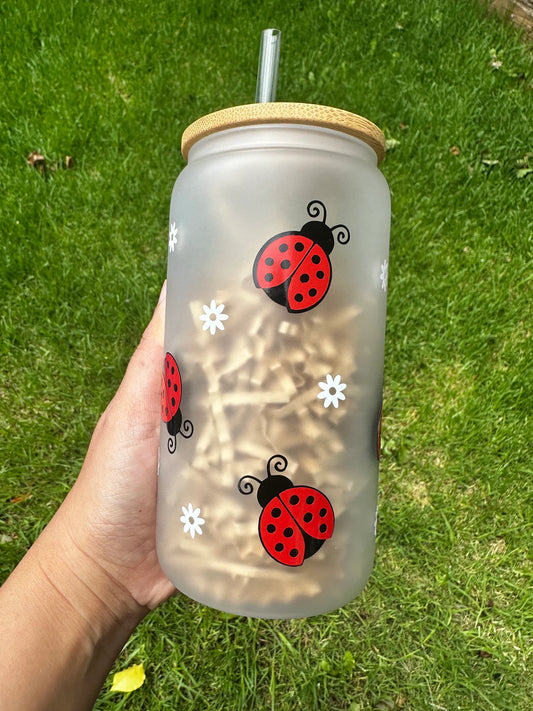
279, 112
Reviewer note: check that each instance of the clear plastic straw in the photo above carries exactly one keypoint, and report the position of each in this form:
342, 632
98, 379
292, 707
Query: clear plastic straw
267, 73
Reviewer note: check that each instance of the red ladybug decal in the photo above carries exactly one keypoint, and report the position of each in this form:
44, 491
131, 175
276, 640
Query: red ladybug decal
170, 403
295, 520
293, 268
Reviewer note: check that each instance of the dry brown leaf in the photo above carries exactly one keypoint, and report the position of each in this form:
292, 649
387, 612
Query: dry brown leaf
37, 160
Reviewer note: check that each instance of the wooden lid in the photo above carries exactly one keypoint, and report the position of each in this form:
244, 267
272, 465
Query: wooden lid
279, 112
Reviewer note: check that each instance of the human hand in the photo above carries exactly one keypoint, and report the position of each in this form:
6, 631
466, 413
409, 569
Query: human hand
93, 574
109, 515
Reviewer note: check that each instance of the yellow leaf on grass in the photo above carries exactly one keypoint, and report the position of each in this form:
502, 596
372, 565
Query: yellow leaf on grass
129, 679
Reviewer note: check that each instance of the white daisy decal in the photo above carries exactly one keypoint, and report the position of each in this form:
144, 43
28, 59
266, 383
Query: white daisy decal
192, 521
213, 317
331, 391
384, 276
172, 237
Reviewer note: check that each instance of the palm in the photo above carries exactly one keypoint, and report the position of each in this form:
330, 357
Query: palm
118, 482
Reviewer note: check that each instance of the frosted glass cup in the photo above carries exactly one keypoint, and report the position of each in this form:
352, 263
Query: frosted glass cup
273, 370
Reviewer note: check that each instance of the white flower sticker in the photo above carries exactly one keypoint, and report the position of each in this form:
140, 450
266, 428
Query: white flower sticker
213, 317
331, 391
172, 237
384, 276
192, 521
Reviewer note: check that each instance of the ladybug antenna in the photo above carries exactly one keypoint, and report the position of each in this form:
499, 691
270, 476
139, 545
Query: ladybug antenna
186, 429
315, 207
279, 465
246, 487
344, 233
272, 485
172, 444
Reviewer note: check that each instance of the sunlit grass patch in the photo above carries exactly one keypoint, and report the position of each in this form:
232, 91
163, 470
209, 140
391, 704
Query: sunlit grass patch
446, 620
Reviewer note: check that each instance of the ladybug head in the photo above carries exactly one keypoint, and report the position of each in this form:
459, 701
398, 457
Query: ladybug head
270, 487
319, 232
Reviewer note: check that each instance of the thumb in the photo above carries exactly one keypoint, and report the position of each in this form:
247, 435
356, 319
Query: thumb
155, 331
142, 381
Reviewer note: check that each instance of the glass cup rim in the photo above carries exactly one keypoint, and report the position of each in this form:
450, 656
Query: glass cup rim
283, 113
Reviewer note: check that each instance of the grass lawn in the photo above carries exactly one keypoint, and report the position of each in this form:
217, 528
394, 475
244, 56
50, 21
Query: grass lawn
446, 621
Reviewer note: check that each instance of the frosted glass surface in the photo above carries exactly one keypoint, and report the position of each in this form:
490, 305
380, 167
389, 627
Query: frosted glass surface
250, 380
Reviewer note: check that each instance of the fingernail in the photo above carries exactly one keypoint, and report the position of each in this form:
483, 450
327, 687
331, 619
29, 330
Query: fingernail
163, 293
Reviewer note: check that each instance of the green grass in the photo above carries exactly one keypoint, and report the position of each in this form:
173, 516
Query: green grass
446, 621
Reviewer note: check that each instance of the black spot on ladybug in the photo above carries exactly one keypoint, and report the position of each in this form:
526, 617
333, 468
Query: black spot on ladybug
276, 512
169, 382
308, 517
283, 247
304, 278
322, 513
288, 532
173, 401
312, 292
320, 275
175, 388
310, 500
299, 297
172, 370
285, 264
269, 261
315, 259
323, 528
279, 547
294, 553
299, 247
271, 528
269, 276
294, 500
